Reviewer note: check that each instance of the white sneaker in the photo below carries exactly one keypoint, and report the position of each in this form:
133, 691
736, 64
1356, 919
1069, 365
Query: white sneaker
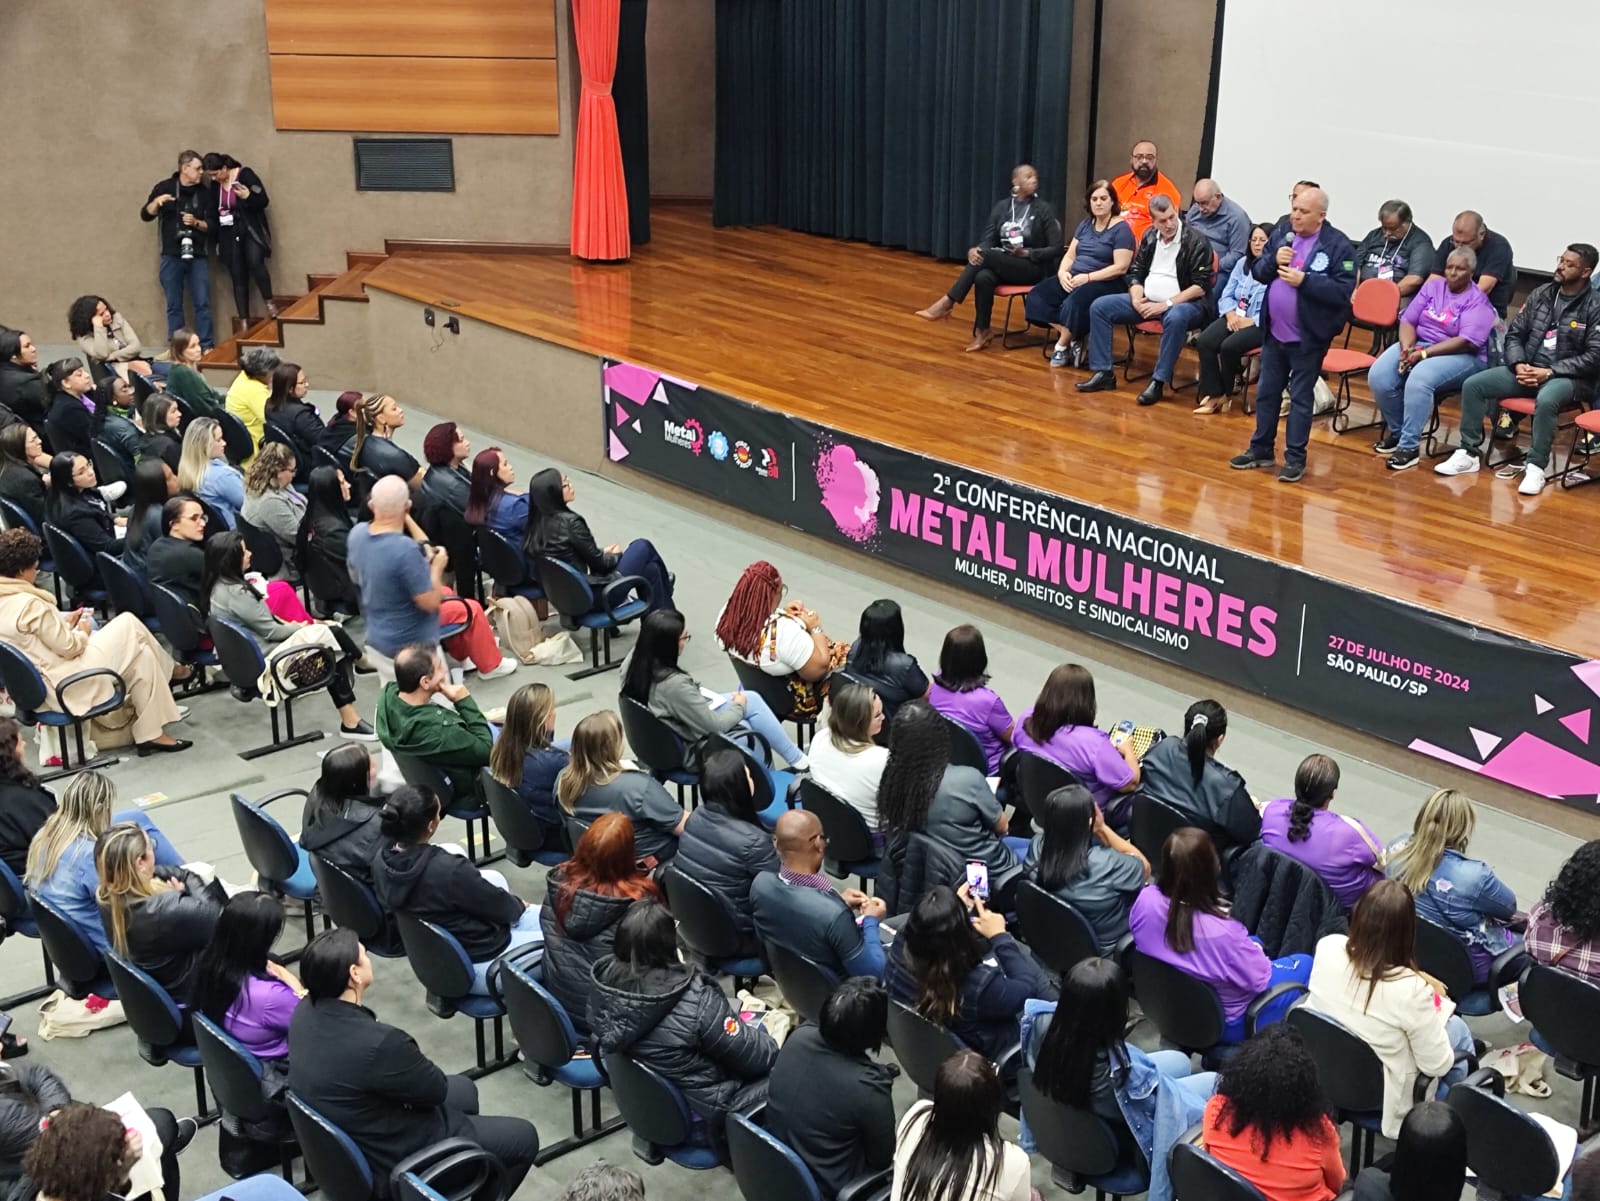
506, 666
1532, 481
1462, 462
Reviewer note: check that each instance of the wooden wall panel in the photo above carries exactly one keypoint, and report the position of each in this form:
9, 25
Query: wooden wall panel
413, 28
377, 94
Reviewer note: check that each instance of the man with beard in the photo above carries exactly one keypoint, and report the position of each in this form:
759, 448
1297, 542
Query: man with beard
1142, 181
184, 207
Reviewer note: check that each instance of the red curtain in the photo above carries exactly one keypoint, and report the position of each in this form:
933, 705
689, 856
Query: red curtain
599, 190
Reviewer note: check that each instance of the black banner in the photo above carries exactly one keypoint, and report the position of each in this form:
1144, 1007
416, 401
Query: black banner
1504, 707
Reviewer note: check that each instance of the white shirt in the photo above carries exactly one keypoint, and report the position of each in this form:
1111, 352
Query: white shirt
791, 649
1162, 281
853, 778
1012, 1183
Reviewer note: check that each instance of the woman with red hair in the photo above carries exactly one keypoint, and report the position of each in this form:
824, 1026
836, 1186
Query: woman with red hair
585, 898
492, 501
446, 481
785, 640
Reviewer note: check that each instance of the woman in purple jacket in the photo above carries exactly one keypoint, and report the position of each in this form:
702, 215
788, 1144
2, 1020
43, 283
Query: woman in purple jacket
961, 692
1341, 850
237, 986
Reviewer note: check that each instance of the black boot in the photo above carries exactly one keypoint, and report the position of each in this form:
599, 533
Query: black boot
1152, 392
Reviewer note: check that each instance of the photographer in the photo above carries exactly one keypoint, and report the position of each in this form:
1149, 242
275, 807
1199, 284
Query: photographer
185, 206
243, 240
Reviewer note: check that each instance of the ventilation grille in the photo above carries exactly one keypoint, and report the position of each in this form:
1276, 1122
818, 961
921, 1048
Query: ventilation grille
405, 165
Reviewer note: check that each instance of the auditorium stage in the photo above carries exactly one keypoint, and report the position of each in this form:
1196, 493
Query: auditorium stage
824, 332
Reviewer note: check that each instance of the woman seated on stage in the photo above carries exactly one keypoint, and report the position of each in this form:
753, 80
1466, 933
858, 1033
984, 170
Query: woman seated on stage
77, 507
184, 380
1060, 727
23, 462
1095, 265
372, 448
492, 501
446, 481
599, 780
527, 759
161, 438
1237, 329
205, 472
560, 533
1020, 245
784, 640
271, 502
961, 692
62, 644
878, 657
1344, 853
1182, 771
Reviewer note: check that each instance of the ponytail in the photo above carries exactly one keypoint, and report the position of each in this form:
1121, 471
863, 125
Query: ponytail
1203, 724
1314, 785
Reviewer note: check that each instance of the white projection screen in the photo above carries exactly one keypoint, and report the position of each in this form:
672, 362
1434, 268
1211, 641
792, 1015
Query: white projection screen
1445, 104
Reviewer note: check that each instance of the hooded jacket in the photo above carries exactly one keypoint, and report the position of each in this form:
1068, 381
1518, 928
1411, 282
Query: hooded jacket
573, 947
350, 839
457, 741
436, 886
677, 1021
726, 854
557, 531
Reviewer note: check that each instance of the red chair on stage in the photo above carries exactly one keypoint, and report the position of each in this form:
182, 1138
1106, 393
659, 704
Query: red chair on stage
1571, 415
1011, 293
1584, 443
1375, 305
1154, 329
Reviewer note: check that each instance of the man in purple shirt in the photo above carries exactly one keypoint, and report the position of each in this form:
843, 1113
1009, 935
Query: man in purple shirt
1310, 269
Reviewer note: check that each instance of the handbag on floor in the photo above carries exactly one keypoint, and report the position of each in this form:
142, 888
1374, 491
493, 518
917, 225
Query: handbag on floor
60, 1016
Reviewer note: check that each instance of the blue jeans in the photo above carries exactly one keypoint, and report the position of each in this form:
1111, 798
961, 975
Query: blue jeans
525, 933
758, 715
1291, 968
1406, 401
1176, 1064
195, 274
1296, 366
166, 854
1461, 1043
1110, 311
639, 558
1051, 304
1018, 846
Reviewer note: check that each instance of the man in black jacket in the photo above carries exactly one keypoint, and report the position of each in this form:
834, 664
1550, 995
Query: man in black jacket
1170, 282
373, 1082
184, 206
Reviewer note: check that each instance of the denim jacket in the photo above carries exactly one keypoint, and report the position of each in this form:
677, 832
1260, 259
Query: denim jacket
1464, 895
1156, 1110
1242, 285
71, 888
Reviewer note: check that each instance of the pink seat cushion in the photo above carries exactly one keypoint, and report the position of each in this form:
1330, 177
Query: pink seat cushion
1149, 327
1013, 289
1518, 404
1340, 361
1589, 420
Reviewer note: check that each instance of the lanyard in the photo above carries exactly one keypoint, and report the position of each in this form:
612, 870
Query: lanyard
1026, 209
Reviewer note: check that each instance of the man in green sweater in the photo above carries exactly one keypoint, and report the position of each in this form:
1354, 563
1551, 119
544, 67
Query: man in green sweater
455, 739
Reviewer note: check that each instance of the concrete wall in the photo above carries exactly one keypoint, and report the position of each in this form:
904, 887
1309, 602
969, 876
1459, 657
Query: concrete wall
680, 43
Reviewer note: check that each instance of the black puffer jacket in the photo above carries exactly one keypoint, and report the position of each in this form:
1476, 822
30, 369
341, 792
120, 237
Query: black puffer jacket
677, 1021
1282, 902
572, 948
27, 1093
726, 855
1577, 342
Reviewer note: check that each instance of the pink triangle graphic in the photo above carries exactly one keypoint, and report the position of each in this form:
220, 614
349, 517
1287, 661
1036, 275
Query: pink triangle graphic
619, 414
618, 450
633, 382
1486, 742
1540, 705
1578, 723
1589, 673
660, 395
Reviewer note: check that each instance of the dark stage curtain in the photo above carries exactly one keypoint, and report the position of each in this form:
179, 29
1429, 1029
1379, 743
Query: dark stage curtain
893, 121
629, 91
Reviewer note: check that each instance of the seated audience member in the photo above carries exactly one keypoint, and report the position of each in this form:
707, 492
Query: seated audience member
1020, 244
555, 530
247, 394
1080, 1057
1222, 345
1269, 1121
1495, 274
111, 421
1181, 919
961, 692
373, 1082
372, 447
103, 333
491, 499
342, 425
797, 908
232, 597
1170, 281
923, 792
177, 559
328, 527
844, 755
829, 1099
597, 780
23, 462
153, 485
1086, 863
160, 923
1183, 772
161, 440
1300, 185
184, 380
455, 738
724, 845
238, 984
784, 640
80, 1152
1551, 353
878, 657
412, 876
70, 424
1139, 185
25, 804
585, 898
950, 1149
271, 502
526, 758
1444, 333
77, 507
1368, 980
64, 644
1339, 848
447, 480
652, 677
60, 866
403, 596
288, 409
673, 1017
1463, 895
22, 388
1059, 726
204, 470
1224, 223
1564, 926
342, 817
1395, 249
956, 965
1428, 1163
1095, 265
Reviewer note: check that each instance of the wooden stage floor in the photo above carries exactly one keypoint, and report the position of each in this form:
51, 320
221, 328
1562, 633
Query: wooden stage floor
825, 330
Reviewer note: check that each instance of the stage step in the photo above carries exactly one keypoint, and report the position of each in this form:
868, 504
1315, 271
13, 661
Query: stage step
301, 310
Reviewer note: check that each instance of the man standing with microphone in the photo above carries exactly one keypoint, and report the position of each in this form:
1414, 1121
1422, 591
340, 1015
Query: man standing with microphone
1310, 270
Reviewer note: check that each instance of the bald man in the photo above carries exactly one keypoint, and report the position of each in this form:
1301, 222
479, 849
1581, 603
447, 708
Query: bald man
1225, 224
1138, 184
797, 908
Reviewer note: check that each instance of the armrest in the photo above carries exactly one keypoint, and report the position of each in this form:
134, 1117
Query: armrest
280, 794
616, 592
1422, 1088
792, 798
287, 688
1009, 1062
1266, 998
754, 742
527, 958
447, 1159
1486, 1079
1192, 1135
871, 1187
119, 692
1510, 966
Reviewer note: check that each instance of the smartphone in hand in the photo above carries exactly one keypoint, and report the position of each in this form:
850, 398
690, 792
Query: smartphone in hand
978, 879
1121, 732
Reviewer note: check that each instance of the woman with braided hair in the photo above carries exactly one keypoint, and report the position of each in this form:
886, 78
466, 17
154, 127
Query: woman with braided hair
785, 640
1183, 772
1340, 849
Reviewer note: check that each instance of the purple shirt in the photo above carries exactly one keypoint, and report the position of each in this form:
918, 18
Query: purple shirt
1282, 299
1437, 313
1334, 849
1084, 751
1224, 954
981, 711
260, 1017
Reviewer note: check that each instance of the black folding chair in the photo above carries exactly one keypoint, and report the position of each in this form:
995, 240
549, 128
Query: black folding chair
243, 663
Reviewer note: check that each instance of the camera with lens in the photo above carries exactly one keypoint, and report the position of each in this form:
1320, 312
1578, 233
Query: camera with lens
187, 235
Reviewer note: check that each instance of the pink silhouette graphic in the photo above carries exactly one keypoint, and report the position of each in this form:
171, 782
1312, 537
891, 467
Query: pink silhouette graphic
850, 492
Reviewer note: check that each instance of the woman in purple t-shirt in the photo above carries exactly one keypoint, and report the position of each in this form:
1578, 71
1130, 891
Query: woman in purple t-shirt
237, 986
961, 692
1060, 727
1342, 851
